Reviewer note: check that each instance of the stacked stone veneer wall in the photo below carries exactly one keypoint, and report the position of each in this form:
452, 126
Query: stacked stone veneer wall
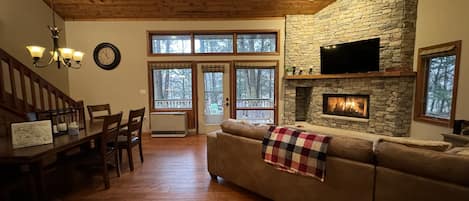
390, 103
393, 21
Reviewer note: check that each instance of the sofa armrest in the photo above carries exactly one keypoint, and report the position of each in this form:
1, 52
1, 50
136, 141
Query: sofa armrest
212, 156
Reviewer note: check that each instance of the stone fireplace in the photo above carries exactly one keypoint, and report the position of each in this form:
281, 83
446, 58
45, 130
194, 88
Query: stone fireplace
390, 93
349, 105
386, 101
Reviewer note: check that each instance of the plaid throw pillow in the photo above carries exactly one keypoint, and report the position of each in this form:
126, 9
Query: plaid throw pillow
296, 152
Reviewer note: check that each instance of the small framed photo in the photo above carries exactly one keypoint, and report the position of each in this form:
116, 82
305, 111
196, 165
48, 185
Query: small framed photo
28, 134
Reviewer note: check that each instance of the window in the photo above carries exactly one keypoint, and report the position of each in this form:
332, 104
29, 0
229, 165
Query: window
172, 88
213, 86
260, 42
171, 44
438, 68
213, 43
255, 93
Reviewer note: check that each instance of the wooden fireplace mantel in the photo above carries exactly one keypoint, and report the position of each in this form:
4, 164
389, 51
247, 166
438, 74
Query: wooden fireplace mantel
352, 75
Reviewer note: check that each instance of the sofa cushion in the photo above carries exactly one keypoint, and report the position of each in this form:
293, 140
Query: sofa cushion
416, 143
351, 148
244, 129
463, 151
422, 162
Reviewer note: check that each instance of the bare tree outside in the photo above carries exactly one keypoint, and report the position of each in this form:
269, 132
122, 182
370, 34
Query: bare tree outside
440, 86
172, 88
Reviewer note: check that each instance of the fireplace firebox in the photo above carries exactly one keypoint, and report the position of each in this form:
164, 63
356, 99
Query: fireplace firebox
350, 105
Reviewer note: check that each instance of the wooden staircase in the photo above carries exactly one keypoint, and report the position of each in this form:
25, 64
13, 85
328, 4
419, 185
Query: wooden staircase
23, 91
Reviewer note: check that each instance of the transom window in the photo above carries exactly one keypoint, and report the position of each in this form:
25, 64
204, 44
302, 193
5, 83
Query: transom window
438, 68
213, 43
171, 44
260, 42
230, 42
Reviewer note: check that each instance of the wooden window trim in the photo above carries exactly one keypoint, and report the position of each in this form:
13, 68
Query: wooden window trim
277, 43
151, 92
162, 33
276, 89
422, 74
213, 32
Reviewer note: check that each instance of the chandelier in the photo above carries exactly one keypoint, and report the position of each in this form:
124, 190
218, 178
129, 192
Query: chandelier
62, 56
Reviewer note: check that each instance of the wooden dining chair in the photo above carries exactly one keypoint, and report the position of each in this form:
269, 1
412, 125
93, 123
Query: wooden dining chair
108, 145
106, 151
96, 111
132, 136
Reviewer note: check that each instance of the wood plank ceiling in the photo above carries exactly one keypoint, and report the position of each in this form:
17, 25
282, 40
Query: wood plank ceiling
183, 9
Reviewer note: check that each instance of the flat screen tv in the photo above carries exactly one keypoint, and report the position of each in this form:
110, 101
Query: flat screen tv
354, 57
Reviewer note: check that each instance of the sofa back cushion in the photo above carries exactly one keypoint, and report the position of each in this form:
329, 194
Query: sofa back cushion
351, 148
244, 129
427, 163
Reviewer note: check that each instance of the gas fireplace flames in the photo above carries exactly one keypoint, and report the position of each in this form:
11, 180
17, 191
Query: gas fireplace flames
346, 105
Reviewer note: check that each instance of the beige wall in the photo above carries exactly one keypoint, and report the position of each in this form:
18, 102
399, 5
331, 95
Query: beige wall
123, 86
440, 22
24, 22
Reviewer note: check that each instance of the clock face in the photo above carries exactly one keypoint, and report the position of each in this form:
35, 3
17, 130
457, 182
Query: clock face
106, 56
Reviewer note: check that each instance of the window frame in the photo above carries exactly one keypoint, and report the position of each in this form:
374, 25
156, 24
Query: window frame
213, 32
277, 43
233, 79
150, 43
422, 79
151, 87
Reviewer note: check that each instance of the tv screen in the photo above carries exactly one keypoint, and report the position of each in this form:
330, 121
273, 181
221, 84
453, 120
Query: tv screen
353, 57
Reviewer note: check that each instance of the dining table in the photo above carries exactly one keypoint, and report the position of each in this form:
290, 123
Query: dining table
35, 157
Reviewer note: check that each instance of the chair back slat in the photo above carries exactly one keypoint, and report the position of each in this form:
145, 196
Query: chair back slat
111, 126
136, 121
93, 109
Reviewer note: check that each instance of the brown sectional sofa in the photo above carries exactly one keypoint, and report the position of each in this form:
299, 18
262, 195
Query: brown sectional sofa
354, 171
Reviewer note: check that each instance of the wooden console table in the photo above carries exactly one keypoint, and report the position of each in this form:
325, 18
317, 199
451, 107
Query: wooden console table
456, 140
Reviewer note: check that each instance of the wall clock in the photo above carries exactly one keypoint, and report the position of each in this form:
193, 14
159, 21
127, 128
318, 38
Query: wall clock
106, 56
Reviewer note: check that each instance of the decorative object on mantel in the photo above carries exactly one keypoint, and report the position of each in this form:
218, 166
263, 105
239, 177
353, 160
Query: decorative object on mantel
28, 134
62, 56
289, 70
352, 75
310, 72
294, 70
107, 56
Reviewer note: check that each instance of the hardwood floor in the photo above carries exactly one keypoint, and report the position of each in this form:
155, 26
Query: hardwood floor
174, 169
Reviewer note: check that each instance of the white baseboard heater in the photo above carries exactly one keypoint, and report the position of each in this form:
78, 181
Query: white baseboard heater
168, 124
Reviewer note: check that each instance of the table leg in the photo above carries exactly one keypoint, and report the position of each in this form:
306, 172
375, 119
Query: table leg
39, 191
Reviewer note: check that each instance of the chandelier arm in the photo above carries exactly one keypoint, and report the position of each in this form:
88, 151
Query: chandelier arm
38, 65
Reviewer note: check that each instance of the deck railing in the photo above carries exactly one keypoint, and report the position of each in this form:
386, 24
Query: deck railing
255, 103
173, 104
